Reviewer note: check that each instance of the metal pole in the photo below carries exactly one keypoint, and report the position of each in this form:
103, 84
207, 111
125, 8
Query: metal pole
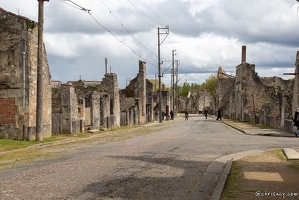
159, 74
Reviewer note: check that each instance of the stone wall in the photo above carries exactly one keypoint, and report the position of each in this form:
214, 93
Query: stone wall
18, 78
248, 97
137, 96
198, 100
110, 82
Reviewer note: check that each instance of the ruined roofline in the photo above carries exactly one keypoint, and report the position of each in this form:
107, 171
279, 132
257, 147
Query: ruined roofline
84, 81
16, 15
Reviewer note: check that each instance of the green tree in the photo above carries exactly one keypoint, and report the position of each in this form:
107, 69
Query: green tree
209, 84
184, 89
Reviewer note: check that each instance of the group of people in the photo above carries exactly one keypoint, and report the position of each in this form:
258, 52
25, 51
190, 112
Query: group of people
171, 113
205, 113
163, 114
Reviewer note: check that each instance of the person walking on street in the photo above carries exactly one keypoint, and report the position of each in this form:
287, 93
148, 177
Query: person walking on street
171, 114
296, 121
219, 114
206, 113
186, 114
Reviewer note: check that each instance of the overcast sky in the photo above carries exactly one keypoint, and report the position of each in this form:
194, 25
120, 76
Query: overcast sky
205, 35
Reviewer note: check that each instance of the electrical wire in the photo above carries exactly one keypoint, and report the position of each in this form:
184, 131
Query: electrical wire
89, 12
64, 1
136, 15
145, 13
128, 30
120, 40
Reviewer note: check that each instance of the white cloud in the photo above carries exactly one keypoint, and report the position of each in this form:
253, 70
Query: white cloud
205, 34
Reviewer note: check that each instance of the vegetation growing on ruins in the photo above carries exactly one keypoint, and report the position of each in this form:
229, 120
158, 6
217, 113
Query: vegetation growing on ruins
30, 24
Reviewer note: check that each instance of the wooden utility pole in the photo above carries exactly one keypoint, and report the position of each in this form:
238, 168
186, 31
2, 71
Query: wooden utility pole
40, 94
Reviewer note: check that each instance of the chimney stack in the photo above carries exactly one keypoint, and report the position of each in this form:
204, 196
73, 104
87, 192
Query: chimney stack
243, 54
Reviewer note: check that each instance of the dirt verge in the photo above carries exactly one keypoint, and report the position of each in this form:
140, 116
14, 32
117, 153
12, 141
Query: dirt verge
264, 176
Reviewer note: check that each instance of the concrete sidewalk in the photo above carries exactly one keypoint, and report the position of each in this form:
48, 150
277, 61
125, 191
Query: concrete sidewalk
213, 181
251, 129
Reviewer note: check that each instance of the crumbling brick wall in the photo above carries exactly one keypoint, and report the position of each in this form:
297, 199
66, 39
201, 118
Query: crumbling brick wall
7, 110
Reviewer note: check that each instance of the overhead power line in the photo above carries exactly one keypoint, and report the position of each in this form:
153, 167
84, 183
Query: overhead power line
127, 30
145, 13
89, 12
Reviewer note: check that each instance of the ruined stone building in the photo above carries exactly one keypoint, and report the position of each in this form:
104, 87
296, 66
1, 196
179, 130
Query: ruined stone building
262, 100
136, 99
198, 100
81, 104
18, 79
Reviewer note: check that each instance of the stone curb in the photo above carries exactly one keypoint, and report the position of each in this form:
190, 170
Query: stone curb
211, 184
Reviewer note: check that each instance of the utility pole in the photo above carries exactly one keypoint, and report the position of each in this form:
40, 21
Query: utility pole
159, 68
39, 98
172, 82
176, 86
155, 87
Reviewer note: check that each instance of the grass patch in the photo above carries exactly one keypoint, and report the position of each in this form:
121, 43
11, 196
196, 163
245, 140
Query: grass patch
21, 157
278, 152
294, 164
231, 184
9, 145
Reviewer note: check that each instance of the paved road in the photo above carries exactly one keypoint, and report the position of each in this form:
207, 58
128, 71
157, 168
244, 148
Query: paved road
165, 164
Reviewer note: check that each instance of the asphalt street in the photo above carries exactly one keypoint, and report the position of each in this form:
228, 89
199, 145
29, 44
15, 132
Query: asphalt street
181, 161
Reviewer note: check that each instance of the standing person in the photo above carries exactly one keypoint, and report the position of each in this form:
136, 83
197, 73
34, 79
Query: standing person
296, 121
219, 114
163, 114
171, 114
156, 114
206, 113
186, 114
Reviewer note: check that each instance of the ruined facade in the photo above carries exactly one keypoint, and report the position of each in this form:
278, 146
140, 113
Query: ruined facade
136, 99
198, 100
248, 97
79, 105
18, 79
